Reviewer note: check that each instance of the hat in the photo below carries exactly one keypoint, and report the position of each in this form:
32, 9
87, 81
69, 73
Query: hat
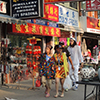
61, 43
73, 38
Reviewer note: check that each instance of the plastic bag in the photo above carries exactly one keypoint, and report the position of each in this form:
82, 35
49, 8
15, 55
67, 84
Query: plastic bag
67, 83
38, 83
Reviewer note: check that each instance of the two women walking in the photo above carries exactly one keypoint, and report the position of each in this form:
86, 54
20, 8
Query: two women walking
56, 66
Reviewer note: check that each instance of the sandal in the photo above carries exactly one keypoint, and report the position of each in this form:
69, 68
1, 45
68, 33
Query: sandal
56, 95
47, 95
62, 95
45, 91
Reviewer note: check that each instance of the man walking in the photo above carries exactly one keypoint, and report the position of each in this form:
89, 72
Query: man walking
76, 57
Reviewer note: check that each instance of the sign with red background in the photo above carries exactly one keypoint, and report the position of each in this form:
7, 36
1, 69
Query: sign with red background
93, 25
35, 29
92, 5
51, 12
56, 1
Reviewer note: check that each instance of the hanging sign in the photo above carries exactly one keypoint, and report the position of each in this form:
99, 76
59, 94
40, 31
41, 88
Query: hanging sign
51, 12
92, 5
93, 25
35, 29
68, 16
26, 8
3, 7
58, 1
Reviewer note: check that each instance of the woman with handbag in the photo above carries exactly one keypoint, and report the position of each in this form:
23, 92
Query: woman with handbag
62, 70
46, 69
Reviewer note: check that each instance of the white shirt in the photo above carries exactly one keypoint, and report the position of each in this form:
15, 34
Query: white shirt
76, 55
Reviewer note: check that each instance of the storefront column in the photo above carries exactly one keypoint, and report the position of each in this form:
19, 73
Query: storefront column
76, 36
44, 44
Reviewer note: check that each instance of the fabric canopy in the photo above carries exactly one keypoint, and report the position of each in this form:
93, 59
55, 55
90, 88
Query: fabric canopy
10, 20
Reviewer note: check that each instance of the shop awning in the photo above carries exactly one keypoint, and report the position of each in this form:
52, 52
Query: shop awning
72, 29
10, 20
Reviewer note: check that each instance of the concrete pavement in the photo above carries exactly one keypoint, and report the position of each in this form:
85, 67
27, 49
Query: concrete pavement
38, 94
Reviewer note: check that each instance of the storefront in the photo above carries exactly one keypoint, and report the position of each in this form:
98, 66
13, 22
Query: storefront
69, 25
91, 35
25, 44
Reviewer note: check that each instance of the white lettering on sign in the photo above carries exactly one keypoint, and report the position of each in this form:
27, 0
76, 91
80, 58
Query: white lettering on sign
2, 7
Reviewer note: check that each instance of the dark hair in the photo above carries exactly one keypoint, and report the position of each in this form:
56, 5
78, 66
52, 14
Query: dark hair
73, 44
56, 47
61, 43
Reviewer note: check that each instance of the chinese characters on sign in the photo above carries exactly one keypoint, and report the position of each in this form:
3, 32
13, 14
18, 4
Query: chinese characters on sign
56, 1
93, 5
25, 8
2, 7
68, 16
36, 30
93, 25
51, 12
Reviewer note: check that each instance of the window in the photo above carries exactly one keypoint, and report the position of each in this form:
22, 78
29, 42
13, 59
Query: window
73, 4
99, 14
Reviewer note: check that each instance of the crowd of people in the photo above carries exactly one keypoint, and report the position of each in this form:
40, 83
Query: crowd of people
64, 62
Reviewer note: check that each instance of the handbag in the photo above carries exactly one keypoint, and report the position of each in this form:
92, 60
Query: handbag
38, 83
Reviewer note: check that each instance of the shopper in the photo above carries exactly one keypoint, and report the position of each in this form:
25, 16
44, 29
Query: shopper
77, 58
61, 69
64, 50
46, 69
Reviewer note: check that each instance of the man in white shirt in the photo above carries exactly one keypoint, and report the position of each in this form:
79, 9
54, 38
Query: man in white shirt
76, 57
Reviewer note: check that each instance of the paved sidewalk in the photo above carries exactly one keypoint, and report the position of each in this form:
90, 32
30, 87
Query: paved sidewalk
38, 94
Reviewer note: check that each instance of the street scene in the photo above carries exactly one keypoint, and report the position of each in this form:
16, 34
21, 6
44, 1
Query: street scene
49, 49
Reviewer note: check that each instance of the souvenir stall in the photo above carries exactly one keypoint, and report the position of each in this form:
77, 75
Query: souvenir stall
21, 52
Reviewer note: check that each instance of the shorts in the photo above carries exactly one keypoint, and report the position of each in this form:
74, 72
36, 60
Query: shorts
46, 82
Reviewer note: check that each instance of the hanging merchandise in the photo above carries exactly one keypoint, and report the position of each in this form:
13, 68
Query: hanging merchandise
56, 40
28, 49
68, 41
36, 50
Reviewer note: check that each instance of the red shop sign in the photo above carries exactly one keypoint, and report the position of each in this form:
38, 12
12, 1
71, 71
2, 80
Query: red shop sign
92, 5
36, 30
93, 25
51, 12
57, 1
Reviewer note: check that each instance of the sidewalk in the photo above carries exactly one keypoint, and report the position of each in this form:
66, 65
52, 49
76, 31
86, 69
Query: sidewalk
38, 94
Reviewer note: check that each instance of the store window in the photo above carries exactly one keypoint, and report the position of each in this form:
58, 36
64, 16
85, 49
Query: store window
83, 5
73, 4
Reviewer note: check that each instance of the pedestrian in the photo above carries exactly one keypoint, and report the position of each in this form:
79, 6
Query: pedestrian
46, 69
77, 58
61, 70
64, 50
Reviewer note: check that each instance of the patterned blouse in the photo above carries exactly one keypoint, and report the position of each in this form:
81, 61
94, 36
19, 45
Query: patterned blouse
45, 68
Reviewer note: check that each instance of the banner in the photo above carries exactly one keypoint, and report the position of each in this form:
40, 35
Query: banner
51, 12
43, 22
57, 1
93, 25
36, 29
92, 5
68, 16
